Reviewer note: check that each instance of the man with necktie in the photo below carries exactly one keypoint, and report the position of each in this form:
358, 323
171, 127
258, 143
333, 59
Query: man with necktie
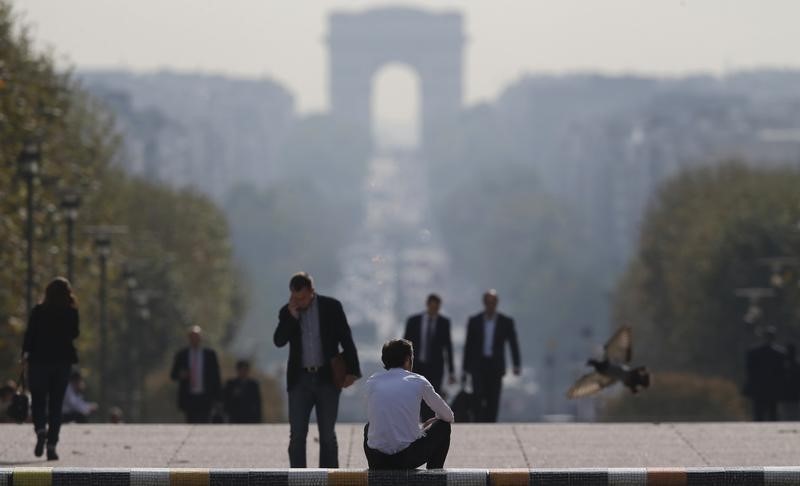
196, 369
429, 332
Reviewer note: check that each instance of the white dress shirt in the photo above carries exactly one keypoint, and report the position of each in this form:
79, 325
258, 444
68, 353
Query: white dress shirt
74, 402
393, 402
488, 336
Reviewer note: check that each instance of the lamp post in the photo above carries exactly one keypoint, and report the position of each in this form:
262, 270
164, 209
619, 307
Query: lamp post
102, 244
28, 162
754, 295
141, 299
70, 203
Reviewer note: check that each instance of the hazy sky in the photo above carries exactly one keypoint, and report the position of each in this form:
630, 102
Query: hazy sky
285, 39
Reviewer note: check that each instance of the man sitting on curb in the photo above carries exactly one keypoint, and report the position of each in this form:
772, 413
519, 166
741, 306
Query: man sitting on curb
393, 438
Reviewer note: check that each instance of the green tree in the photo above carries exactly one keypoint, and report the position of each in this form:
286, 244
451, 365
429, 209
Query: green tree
176, 245
705, 236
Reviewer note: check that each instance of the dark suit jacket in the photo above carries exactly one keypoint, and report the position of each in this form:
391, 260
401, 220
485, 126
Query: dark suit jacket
243, 401
439, 350
334, 331
212, 382
766, 370
503, 332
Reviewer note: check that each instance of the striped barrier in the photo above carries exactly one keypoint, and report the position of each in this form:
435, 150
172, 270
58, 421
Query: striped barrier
766, 476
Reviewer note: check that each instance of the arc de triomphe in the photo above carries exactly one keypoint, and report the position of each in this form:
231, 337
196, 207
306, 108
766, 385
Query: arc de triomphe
431, 43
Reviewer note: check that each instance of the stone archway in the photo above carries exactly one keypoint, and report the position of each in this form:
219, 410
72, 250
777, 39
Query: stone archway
431, 43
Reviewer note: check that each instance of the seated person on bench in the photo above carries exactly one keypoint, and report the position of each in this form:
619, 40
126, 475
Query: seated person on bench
393, 438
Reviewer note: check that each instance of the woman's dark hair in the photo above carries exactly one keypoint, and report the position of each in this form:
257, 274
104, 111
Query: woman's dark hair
59, 294
395, 352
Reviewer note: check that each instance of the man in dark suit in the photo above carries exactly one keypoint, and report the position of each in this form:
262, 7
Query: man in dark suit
485, 356
766, 368
314, 326
429, 332
196, 370
242, 397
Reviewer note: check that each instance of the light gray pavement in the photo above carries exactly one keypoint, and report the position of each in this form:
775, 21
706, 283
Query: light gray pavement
473, 445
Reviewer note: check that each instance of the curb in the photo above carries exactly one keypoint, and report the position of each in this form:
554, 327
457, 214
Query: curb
766, 476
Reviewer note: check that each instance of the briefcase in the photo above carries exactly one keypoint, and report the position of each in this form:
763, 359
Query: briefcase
20, 404
462, 406
338, 370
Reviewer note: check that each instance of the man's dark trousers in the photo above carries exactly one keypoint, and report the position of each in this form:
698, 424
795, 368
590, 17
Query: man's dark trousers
487, 383
198, 409
432, 449
312, 391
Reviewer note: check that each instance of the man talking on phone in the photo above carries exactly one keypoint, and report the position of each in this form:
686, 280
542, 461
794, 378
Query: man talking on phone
315, 327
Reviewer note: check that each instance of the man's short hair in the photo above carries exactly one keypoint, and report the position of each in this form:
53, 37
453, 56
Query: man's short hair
242, 363
300, 281
434, 298
395, 352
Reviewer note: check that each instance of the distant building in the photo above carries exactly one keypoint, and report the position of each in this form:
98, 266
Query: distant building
193, 130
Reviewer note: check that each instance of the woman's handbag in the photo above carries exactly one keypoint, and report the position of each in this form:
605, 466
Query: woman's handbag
20, 404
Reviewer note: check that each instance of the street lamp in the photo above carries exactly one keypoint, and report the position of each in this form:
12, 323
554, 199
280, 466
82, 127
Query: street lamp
70, 202
754, 294
102, 245
777, 266
28, 163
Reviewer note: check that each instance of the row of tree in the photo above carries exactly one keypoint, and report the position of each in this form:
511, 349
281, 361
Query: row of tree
176, 245
709, 233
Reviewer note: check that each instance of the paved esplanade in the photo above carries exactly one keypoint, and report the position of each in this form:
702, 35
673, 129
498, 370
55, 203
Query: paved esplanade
473, 445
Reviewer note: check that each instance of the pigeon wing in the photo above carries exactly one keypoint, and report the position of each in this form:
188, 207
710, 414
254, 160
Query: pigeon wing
619, 349
589, 384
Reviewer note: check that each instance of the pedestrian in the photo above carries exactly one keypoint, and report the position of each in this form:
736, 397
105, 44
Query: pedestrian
765, 366
76, 408
790, 408
196, 369
49, 353
315, 327
242, 396
393, 437
429, 333
485, 356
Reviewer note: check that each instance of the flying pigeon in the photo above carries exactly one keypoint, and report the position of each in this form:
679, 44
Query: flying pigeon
614, 367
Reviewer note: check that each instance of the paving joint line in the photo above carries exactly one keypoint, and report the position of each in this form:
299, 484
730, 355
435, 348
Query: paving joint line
350, 445
521, 448
180, 446
691, 446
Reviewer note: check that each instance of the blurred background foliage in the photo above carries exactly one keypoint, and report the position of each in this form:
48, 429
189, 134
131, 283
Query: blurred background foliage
176, 248
678, 397
705, 236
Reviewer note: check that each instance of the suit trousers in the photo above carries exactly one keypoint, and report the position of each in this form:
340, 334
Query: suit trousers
430, 449
48, 384
198, 409
487, 383
312, 391
434, 375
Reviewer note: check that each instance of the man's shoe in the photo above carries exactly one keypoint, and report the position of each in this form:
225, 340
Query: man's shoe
41, 438
51, 453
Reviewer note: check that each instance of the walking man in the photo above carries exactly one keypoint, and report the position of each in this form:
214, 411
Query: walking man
429, 333
765, 381
485, 356
196, 369
393, 438
315, 327
242, 397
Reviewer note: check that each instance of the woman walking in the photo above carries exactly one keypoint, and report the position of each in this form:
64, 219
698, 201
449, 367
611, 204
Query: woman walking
49, 353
